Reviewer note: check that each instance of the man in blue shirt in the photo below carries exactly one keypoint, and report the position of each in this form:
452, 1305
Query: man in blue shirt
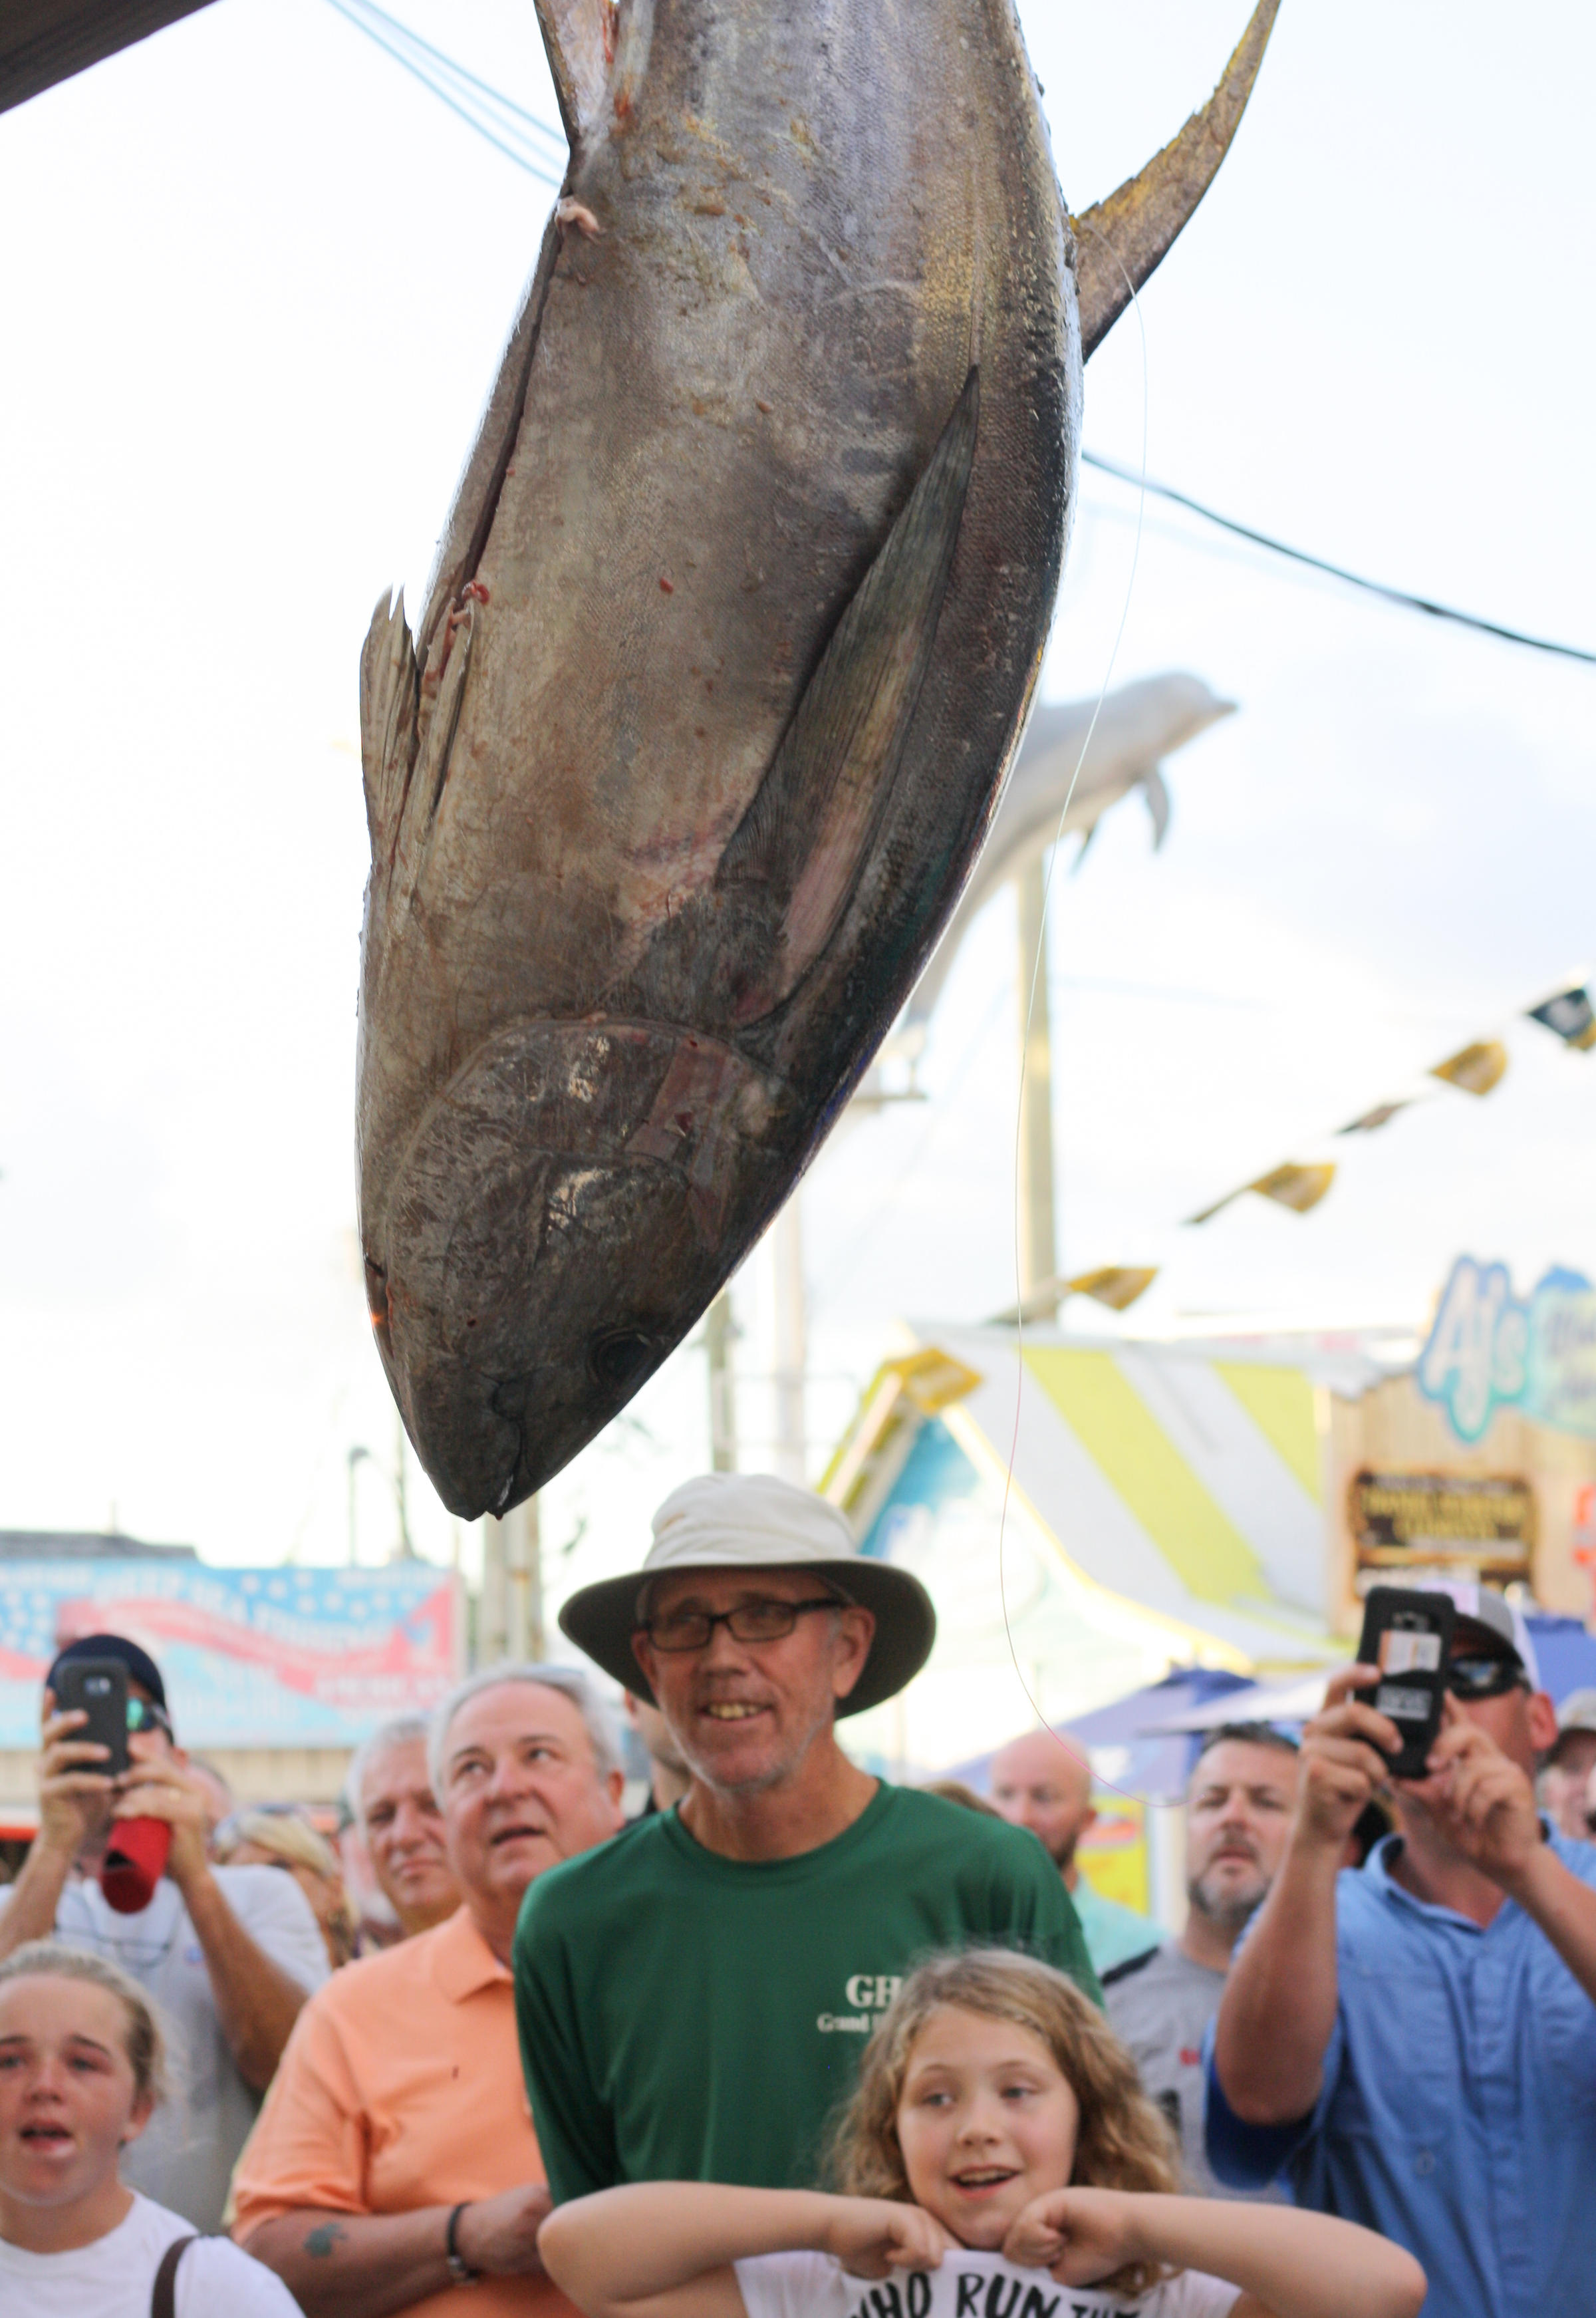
1417, 2041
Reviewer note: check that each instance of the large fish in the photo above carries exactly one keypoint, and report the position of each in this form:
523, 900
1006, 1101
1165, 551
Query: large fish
733, 632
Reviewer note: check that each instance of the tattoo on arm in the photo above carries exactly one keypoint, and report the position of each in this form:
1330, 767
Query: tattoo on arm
324, 2237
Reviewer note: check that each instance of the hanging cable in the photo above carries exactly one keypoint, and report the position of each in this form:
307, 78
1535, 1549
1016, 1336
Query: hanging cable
1336, 570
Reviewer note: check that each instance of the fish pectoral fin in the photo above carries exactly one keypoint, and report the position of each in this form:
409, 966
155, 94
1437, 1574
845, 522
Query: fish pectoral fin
580, 37
1120, 240
390, 698
794, 857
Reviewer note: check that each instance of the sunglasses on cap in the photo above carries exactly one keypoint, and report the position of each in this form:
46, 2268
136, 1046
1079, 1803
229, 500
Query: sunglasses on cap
1481, 1674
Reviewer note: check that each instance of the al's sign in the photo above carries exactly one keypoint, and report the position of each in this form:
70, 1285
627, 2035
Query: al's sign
1490, 1349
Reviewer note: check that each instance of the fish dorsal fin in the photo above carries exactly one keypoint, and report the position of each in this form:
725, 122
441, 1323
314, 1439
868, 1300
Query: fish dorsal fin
794, 857
579, 36
1127, 234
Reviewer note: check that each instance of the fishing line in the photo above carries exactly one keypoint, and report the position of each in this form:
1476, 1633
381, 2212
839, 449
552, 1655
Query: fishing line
1065, 1747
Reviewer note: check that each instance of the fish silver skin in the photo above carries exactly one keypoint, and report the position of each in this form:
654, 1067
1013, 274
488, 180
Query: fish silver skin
733, 632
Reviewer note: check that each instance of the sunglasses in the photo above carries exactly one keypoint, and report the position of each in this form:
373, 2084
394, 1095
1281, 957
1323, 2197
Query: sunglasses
1484, 1677
144, 1715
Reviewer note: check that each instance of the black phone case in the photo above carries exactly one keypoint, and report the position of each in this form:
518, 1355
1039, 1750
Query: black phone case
1411, 1694
99, 1686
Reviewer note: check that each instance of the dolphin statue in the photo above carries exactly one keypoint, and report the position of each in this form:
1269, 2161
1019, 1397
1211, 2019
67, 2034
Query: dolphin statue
732, 634
1125, 740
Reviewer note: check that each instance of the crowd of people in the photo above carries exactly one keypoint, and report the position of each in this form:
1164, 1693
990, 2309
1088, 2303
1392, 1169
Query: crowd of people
797, 2042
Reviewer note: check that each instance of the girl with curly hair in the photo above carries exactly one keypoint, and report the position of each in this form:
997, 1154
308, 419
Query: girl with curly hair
999, 2159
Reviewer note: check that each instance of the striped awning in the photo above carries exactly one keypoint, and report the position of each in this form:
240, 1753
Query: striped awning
1184, 1482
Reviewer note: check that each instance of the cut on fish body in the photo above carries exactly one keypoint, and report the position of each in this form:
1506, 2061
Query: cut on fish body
732, 634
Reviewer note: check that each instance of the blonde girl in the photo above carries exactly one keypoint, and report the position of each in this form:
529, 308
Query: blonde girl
999, 2159
81, 2072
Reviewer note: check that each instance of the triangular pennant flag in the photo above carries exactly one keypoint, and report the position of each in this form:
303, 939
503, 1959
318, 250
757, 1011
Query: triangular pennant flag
1381, 1115
1474, 1069
1297, 1186
1570, 1015
1117, 1285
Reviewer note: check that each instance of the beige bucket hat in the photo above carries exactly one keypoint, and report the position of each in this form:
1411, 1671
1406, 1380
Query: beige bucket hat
752, 1522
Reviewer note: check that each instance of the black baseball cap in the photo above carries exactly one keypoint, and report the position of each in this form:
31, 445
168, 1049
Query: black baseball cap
140, 1666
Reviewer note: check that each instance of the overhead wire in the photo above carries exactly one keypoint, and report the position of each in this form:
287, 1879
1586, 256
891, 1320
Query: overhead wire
467, 91
1400, 596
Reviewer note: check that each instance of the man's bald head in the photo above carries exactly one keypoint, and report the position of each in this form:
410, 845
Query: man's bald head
1040, 1783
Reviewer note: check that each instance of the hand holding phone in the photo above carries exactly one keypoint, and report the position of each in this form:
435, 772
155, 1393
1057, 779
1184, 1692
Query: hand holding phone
75, 1769
1408, 1635
97, 1688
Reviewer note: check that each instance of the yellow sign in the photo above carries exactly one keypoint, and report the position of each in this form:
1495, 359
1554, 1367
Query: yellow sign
1425, 1518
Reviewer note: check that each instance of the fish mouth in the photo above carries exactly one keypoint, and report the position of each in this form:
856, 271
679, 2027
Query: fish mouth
564, 1210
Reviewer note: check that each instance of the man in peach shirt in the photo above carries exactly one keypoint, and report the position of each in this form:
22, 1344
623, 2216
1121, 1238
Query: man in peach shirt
395, 2158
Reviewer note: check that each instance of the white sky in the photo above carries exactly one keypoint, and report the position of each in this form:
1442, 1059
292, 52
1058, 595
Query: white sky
259, 296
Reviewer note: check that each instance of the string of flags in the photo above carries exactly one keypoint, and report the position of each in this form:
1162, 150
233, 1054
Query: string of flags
1476, 1069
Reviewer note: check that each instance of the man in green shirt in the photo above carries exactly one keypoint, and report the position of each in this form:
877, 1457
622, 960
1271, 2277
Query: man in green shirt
694, 1997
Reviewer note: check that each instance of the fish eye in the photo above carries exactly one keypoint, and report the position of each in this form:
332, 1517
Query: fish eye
617, 1358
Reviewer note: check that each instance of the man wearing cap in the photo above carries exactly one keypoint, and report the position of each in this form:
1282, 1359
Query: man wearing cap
1566, 1767
1416, 2041
693, 1998
228, 1954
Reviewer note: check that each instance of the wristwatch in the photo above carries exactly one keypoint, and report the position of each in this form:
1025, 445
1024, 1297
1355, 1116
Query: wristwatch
461, 2273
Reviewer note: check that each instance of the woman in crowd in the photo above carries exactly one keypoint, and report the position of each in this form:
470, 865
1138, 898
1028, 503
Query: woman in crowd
81, 2071
282, 1838
997, 2135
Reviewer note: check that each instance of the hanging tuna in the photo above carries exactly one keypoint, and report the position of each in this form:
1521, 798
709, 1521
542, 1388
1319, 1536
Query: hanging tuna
734, 629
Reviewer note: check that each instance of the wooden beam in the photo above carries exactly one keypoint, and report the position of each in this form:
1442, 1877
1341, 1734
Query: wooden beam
43, 41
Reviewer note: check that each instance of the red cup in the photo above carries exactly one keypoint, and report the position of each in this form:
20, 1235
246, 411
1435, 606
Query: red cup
134, 1862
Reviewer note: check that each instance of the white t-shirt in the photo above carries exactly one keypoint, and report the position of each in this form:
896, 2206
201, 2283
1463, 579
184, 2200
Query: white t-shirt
186, 2154
114, 2278
966, 2286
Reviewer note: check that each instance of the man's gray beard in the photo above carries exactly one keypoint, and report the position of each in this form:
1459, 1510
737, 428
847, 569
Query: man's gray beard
1229, 1912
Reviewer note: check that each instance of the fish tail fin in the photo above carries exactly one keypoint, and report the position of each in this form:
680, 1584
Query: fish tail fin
1126, 236
579, 37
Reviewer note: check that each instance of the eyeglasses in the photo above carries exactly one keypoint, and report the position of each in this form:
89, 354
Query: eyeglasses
144, 1715
751, 1622
1484, 1677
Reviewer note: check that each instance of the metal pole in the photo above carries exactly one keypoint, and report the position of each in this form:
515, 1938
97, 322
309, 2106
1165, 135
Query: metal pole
523, 1584
1038, 1254
791, 1352
357, 1455
718, 1334
491, 1604
404, 1550
510, 1620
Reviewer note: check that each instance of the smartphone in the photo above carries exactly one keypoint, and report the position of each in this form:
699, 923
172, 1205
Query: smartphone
100, 1687
1408, 1636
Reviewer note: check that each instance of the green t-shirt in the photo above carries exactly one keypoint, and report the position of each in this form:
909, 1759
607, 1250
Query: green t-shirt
686, 2017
